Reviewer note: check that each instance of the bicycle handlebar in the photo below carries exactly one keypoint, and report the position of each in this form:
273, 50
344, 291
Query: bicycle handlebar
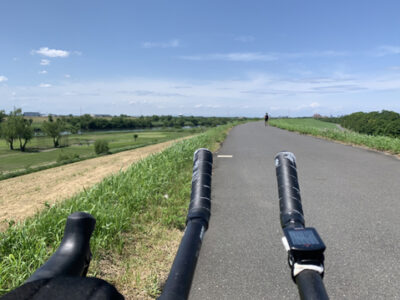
180, 277
291, 210
73, 256
200, 198
305, 259
311, 286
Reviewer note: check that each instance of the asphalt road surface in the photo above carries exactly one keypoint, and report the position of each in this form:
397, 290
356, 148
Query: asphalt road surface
351, 195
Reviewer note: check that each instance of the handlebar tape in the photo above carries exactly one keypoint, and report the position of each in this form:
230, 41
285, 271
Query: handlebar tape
291, 211
200, 199
73, 256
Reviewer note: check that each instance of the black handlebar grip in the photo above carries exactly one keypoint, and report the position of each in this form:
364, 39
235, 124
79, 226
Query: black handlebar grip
73, 256
200, 199
291, 211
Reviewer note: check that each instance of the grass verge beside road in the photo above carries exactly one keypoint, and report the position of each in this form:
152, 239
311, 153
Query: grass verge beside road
140, 214
328, 131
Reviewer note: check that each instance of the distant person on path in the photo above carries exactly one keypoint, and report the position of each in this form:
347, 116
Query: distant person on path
266, 117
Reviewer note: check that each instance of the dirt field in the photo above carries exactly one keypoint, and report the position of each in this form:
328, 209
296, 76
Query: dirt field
23, 196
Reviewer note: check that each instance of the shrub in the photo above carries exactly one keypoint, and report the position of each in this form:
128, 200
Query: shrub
101, 147
62, 156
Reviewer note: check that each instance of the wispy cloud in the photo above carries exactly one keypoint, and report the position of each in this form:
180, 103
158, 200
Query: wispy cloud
45, 51
3, 78
207, 106
315, 104
245, 96
175, 43
262, 56
322, 53
244, 57
45, 62
67, 76
43, 72
387, 50
44, 85
245, 38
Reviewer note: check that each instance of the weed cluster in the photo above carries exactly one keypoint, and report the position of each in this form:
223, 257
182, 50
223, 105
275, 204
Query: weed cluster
101, 147
63, 156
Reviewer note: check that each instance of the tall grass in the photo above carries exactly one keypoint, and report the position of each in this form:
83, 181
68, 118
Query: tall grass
156, 189
381, 143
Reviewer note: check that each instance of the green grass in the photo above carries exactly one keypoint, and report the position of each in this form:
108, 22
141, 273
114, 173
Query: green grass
41, 155
124, 205
303, 122
330, 131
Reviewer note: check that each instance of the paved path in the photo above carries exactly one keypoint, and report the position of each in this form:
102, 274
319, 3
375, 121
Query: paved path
350, 194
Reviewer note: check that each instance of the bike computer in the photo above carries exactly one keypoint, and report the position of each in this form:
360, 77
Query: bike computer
304, 239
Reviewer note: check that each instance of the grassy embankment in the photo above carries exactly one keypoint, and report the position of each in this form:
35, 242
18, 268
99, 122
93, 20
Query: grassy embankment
140, 214
41, 154
332, 132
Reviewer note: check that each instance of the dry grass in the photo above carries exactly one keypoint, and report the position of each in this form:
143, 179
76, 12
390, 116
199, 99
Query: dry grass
23, 196
144, 265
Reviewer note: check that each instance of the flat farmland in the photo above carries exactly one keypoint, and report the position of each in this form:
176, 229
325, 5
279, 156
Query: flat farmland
25, 195
41, 152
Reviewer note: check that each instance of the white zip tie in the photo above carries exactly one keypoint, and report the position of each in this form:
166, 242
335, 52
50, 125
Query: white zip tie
285, 243
297, 268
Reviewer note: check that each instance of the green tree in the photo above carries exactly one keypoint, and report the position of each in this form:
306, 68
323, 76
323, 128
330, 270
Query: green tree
393, 128
9, 130
17, 127
2, 115
24, 132
53, 129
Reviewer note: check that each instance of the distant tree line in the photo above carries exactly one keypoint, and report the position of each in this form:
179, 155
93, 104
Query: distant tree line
87, 122
372, 123
14, 127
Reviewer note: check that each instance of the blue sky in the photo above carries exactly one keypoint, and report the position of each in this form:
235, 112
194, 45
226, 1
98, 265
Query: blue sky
213, 58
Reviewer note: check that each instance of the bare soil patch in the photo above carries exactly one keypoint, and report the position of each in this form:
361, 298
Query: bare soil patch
23, 196
48, 150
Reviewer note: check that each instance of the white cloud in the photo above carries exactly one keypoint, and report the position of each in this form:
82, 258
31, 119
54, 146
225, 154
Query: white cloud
45, 62
67, 76
250, 56
45, 51
3, 78
207, 106
245, 38
170, 44
248, 96
43, 72
387, 50
262, 56
244, 57
315, 105
321, 53
45, 85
